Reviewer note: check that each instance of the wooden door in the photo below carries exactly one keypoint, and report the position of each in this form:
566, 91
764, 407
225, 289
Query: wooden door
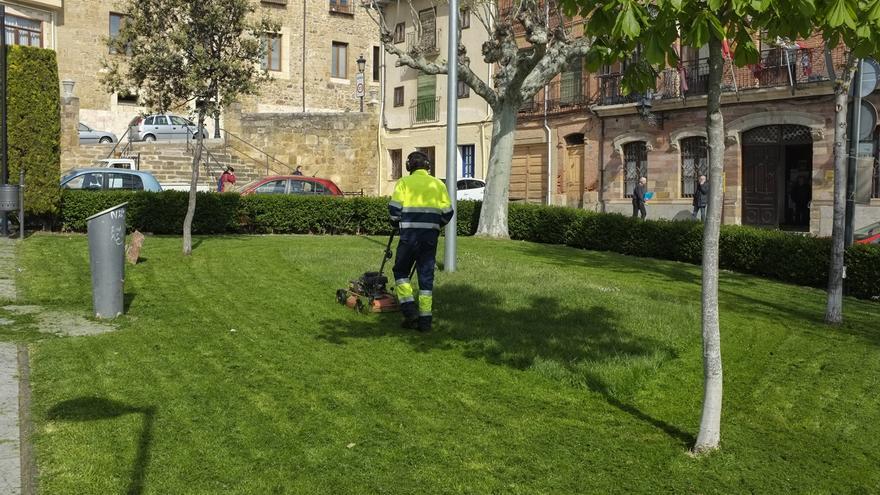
761, 175
528, 174
574, 175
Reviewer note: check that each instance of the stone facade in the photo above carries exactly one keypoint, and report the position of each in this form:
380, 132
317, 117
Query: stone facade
340, 146
84, 26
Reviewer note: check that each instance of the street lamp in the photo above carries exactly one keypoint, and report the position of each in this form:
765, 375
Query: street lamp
362, 64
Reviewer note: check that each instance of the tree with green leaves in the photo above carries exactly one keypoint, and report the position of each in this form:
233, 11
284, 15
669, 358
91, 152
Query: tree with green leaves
179, 52
653, 28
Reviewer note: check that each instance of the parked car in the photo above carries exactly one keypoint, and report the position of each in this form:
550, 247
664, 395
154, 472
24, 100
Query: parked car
470, 189
163, 127
868, 235
87, 135
292, 184
102, 179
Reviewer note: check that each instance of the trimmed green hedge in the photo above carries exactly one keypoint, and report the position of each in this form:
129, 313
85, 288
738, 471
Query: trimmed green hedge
787, 257
34, 127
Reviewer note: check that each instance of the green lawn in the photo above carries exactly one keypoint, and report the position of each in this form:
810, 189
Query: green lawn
550, 371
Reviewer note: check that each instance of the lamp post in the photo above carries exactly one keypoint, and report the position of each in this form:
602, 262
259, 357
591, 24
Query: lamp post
362, 64
4, 170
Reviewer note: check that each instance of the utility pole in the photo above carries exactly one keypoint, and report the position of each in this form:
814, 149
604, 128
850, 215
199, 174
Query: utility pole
452, 137
854, 137
4, 169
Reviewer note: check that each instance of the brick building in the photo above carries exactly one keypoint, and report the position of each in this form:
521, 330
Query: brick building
779, 133
319, 38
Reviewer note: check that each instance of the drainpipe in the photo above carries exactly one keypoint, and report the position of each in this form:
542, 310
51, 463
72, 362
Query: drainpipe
547, 127
382, 123
304, 59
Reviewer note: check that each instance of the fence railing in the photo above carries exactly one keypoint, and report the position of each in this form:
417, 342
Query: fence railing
564, 95
425, 42
795, 68
423, 111
246, 149
341, 6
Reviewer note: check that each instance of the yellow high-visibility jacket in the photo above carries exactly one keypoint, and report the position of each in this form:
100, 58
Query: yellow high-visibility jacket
420, 203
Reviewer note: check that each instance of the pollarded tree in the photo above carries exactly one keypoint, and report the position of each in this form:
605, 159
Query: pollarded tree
621, 26
179, 52
529, 44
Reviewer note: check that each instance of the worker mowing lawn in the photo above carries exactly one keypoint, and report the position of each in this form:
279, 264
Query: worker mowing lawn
419, 207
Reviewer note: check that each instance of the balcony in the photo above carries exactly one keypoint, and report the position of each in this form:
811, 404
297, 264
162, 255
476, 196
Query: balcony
424, 43
779, 68
425, 110
562, 96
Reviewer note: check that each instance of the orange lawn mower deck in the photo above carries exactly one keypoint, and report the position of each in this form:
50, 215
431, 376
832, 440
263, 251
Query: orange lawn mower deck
369, 292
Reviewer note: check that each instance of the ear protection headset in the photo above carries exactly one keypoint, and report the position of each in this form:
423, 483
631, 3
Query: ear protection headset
417, 160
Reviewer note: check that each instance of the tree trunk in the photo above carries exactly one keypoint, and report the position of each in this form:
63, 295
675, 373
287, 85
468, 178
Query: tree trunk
710, 422
493, 215
834, 306
191, 207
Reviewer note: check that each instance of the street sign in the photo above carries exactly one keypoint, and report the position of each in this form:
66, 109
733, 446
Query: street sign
867, 121
870, 71
359, 81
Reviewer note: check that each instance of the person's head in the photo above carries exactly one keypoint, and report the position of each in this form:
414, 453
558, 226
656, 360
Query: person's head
299, 168
417, 160
643, 180
702, 179
230, 170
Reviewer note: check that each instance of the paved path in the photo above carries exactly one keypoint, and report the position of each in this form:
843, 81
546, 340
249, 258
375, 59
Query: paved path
10, 431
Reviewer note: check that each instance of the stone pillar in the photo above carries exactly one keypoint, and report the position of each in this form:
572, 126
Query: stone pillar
69, 123
232, 118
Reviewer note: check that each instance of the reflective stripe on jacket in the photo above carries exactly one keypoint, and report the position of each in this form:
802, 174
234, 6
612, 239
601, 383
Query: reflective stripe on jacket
420, 202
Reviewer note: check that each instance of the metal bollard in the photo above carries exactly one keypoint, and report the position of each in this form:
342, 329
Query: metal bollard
107, 260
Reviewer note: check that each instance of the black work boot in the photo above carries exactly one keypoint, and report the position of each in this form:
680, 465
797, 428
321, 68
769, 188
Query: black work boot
410, 316
424, 323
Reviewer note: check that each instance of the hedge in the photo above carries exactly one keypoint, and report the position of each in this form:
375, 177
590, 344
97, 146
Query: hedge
793, 258
34, 127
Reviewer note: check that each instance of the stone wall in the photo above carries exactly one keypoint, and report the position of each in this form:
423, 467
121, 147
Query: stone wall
337, 146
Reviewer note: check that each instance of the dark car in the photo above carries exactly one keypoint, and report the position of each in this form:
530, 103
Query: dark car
293, 184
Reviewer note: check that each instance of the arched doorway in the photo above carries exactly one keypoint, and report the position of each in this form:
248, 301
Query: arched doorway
777, 166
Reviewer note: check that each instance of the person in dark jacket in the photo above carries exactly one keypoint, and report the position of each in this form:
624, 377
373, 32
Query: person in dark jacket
638, 198
701, 198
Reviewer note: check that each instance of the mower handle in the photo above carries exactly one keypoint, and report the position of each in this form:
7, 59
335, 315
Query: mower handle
388, 253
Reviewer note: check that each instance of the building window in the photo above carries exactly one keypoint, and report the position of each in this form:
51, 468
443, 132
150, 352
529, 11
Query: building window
376, 63
398, 96
341, 6
467, 152
116, 22
399, 32
465, 18
396, 163
426, 99
24, 32
464, 91
339, 66
127, 98
635, 162
429, 150
272, 59
694, 163
428, 35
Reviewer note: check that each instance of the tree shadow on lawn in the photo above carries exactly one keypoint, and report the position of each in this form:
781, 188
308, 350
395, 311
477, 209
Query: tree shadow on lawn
583, 342
96, 409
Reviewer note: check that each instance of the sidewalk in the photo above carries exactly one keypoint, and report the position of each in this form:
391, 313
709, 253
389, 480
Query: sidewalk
10, 430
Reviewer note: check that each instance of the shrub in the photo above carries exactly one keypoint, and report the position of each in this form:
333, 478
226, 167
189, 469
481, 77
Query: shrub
34, 127
788, 257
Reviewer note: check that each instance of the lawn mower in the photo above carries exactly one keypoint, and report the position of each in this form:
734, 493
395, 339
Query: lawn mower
369, 292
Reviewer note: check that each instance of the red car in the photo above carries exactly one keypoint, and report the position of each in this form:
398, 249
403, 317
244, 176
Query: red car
293, 184
868, 235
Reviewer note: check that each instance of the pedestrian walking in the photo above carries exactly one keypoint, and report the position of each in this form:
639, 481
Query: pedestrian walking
701, 198
638, 198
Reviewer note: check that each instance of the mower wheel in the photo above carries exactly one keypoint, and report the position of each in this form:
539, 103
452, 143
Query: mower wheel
359, 306
341, 296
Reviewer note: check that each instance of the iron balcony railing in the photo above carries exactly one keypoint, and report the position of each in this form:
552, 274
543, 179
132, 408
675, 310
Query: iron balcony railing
341, 6
424, 42
796, 68
564, 95
425, 110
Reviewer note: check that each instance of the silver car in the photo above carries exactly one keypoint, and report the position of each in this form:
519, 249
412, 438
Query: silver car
87, 135
163, 127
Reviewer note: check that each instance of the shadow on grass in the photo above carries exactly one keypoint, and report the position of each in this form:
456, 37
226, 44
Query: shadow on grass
580, 342
96, 409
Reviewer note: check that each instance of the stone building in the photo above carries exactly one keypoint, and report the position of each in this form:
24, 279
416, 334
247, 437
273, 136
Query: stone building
319, 38
413, 109
778, 162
